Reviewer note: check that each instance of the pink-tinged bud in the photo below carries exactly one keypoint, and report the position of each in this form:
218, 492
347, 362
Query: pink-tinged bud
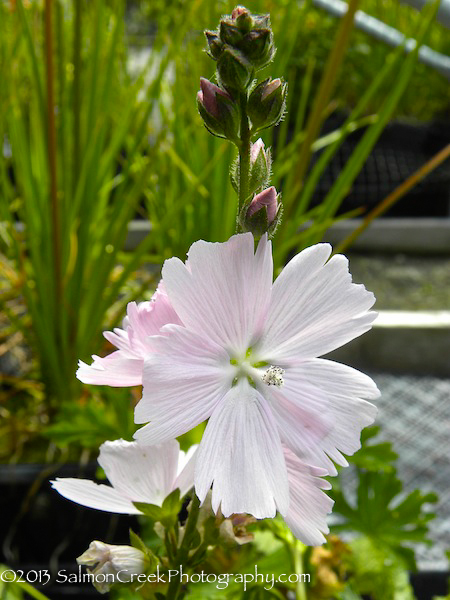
238, 11
267, 198
220, 113
270, 87
207, 96
266, 103
255, 150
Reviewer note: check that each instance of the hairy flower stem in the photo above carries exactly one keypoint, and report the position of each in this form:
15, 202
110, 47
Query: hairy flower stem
298, 550
244, 153
183, 552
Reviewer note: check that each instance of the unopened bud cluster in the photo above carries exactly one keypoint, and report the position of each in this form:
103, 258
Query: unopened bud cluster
239, 106
242, 44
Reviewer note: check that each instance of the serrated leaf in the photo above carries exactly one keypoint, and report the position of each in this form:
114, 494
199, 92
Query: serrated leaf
374, 456
383, 516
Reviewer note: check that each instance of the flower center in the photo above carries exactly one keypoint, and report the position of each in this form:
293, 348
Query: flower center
247, 366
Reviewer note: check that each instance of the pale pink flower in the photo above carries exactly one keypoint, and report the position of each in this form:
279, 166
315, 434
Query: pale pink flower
123, 367
246, 359
136, 472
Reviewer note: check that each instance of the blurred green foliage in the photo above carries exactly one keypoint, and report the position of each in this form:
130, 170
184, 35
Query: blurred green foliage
428, 92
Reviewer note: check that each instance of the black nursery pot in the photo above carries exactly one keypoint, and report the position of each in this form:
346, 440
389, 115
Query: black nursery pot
40, 529
429, 584
402, 149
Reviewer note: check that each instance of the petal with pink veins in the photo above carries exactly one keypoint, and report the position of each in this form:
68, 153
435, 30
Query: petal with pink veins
123, 368
315, 308
223, 291
241, 456
184, 379
308, 504
320, 411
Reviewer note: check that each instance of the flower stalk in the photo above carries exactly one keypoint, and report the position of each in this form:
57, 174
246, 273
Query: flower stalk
244, 153
241, 46
182, 555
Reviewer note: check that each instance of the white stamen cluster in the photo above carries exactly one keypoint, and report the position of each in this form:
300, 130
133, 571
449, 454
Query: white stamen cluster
273, 376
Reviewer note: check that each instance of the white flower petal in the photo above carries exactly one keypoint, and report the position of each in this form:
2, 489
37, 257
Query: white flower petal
186, 468
140, 473
94, 495
315, 308
308, 506
241, 456
183, 381
223, 291
113, 370
320, 411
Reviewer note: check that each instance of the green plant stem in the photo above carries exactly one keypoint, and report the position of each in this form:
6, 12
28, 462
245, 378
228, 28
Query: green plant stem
51, 145
244, 153
183, 553
297, 554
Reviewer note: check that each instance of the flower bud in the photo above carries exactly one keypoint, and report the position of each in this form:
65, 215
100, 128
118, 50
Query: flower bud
233, 69
243, 18
267, 103
250, 40
258, 48
259, 172
260, 166
218, 110
255, 150
268, 199
262, 214
214, 44
112, 564
230, 34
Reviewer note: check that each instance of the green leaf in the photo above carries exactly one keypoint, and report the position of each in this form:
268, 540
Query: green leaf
152, 511
378, 456
139, 544
384, 516
136, 542
170, 509
91, 424
378, 572
167, 514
